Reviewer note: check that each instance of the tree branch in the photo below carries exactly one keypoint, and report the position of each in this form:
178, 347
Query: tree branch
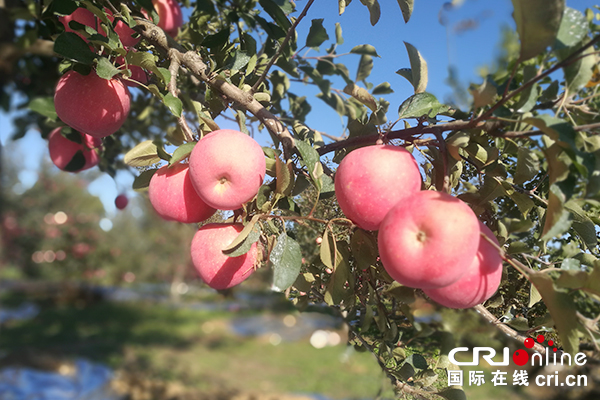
194, 63
172, 88
290, 32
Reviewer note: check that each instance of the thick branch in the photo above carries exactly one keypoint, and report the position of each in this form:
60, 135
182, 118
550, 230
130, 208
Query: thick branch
172, 88
194, 63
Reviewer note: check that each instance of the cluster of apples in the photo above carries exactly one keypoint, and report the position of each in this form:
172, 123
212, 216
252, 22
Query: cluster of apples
225, 170
428, 240
96, 107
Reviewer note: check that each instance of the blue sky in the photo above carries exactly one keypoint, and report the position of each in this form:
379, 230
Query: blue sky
441, 46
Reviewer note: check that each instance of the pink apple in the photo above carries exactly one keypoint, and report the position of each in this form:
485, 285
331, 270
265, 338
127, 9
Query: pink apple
91, 104
371, 180
227, 168
84, 17
170, 15
480, 281
173, 196
74, 155
428, 240
121, 201
123, 30
215, 268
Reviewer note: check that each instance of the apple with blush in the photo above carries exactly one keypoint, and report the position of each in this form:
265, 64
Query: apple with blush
170, 16
174, 198
227, 168
91, 104
85, 17
480, 281
428, 240
371, 180
73, 152
216, 269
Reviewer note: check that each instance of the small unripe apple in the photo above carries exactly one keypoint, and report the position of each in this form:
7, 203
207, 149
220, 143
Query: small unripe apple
480, 281
174, 198
428, 240
215, 268
170, 15
91, 104
371, 180
75, 153
227, 168
121, 201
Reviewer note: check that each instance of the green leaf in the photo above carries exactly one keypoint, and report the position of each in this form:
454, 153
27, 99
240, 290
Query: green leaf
572, 30
529, 96
528, 165
328, 250
555, 128
147, 62
579, 73
286, 258
419, 105
365, 65
73, 47
276, 13
142, 155
105, 69
43, 106
340, 287
537, 22
557, 219
285, 177
312, 160
362, 95
406, 6
417, 361
561, 308
317, 34
181, 152
418, 67
245, 239
582, 224
339, 39
240, 60
484, 94
374, 10
173, 104
143, 180
342, 5
365, 49
382, 88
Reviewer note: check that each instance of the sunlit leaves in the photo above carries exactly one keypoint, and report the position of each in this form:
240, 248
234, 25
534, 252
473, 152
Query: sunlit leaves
572, 30
362, 95
419, 105
43, 106
366, 49
173, 104
537, 22
374, 10
406, 6
245, 239
142, 155
286, 258
418, 67
105, 69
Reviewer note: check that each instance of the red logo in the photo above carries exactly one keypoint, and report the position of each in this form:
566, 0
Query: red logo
521, 357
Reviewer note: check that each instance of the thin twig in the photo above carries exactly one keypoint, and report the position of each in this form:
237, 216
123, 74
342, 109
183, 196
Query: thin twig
172, 88
282, 46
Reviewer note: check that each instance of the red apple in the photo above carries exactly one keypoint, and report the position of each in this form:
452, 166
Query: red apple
75, 153
480, 281
174, 198
227, 168
371, 180
121, 201
123, 30
215, 268
169, 14
91, 104
84, 17
428, 240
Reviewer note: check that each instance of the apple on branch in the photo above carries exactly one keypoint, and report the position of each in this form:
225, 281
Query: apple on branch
216, 269
227, 168
92, 104
428, 240
174, 198
371, 180
170, 15
73, 152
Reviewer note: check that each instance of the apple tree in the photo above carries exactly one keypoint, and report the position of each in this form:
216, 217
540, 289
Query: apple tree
524, 155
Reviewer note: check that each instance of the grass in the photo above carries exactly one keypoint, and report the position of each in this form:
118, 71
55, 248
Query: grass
194, 348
